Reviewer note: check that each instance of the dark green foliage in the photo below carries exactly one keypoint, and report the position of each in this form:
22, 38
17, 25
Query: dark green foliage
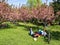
4, 26
56, 5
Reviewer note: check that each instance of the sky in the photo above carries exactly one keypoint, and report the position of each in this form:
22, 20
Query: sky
17, 2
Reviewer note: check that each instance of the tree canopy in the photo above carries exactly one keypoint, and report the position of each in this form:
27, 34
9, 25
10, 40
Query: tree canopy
33, 3
56, 5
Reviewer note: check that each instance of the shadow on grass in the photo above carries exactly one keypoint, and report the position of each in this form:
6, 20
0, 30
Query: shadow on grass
7, 26
55, 35
4, 26
46, 40
28, 27
39, 24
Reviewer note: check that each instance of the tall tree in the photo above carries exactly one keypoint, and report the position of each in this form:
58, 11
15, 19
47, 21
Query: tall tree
33, 3
56, 5
3, 0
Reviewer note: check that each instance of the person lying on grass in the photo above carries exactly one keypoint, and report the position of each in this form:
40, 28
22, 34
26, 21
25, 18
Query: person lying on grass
37, 34
42, 32
34, 34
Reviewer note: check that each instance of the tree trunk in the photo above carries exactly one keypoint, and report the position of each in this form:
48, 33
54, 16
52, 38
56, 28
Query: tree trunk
49, 24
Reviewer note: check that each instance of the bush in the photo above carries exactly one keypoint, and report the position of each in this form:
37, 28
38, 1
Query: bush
4, 26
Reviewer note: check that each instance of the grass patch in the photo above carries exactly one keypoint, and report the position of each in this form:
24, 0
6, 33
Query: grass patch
18, 35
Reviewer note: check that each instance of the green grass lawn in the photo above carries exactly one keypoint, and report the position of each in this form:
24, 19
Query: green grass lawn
18, 35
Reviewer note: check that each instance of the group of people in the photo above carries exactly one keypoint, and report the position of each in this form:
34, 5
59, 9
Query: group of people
38, 33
